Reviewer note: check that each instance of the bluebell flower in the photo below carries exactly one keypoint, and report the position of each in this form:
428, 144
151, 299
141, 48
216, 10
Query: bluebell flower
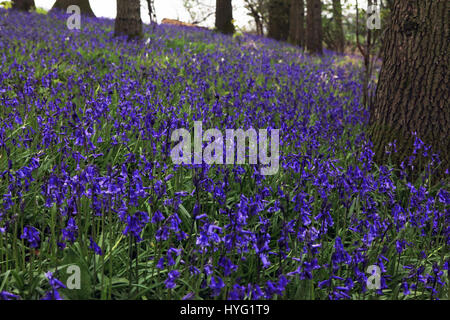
55, 284
5, 295
172, 276
157, 217
31, 235
70, 232
216, 285
135, 224
95, 247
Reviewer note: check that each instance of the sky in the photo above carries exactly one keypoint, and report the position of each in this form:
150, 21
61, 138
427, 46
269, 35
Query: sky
172, 9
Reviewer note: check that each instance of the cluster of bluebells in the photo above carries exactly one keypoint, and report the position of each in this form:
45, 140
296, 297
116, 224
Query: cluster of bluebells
85, 139
55, 284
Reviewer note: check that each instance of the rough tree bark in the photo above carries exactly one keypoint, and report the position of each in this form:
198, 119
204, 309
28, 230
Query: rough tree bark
128, 20
297, 23
278, 27
84, 5
338, 29
24, 5
314, 27
413, 86
224, 16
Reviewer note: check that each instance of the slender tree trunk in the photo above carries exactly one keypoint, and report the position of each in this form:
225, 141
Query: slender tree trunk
259, 26
338, 28
314, 27
24, 5
413, 86
84, 5
151, 12
257, 17
128, 21
297, 23
224, 16
279, 11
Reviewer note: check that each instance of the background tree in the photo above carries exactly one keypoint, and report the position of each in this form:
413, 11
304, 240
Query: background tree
297, 23
224, 16
151, 11
278, 27
198, 10
413, 86
314, 27
24, 5
128, 20
84, 5
368, 50
258, 11
338, 29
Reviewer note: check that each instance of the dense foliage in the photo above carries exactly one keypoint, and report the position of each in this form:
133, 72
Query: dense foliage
86, 177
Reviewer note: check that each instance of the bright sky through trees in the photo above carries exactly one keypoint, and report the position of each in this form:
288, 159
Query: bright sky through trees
172, 9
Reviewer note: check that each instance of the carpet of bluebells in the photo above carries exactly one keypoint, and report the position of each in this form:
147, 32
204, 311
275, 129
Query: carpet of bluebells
86, 177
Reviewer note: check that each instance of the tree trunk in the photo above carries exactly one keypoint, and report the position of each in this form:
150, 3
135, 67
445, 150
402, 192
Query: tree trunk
151, 11
255, 14
412, 93
224, 16
279, 11
338, 29
297, 23
259, 25
24, 5
84, 5
314, 27
128, 21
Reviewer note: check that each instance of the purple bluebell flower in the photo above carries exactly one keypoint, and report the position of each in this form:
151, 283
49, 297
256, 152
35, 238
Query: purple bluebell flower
135, 224
70, 232
31, 234
55, 284
94, 246
216, 285
172, 276
5, 295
